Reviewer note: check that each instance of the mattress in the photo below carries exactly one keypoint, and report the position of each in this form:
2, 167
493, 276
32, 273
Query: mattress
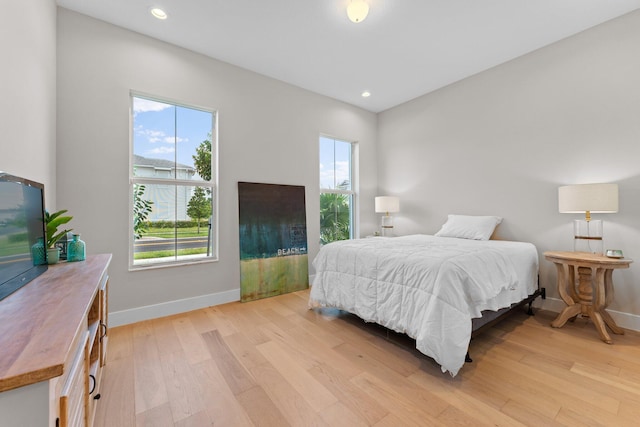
425, 286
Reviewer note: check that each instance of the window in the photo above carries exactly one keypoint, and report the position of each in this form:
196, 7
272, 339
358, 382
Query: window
173, 183
337, 192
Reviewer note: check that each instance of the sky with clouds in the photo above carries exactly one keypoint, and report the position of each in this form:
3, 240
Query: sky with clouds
335, 162
169, 132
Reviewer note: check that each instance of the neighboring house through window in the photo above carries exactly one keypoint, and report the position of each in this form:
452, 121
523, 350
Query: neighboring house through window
337, 189
173, 178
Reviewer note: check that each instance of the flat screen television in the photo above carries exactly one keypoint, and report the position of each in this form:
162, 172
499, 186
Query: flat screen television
22, 233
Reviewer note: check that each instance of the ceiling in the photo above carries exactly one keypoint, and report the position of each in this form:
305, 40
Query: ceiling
404, 49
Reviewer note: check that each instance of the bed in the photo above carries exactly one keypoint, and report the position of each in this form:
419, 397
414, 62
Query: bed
436, 289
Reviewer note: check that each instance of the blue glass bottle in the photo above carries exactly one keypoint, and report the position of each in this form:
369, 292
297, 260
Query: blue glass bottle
76, 250
38, 252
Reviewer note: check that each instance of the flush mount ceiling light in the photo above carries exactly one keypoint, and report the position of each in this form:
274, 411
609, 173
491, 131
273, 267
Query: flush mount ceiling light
366, 94
357, 10
159, 13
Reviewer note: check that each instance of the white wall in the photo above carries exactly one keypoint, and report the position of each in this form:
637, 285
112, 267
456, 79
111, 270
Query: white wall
28, 89
268, 132
501, 142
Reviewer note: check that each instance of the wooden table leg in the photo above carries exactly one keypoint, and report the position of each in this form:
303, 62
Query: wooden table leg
611, 323
566, 283
566, 288
585, 290
571, 282
604, 296
566, 314
599, 324
592, 305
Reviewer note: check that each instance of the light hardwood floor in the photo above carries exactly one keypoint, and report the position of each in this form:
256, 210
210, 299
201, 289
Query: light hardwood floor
273, 362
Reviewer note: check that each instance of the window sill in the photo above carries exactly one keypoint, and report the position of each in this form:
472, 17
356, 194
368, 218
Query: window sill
169, 264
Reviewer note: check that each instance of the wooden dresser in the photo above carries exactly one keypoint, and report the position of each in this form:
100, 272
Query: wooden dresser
53, 341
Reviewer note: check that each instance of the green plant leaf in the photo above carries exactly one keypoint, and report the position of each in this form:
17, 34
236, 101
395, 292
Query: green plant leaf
53, 222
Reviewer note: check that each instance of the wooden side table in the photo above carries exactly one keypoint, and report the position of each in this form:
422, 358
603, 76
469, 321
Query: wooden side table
594, 274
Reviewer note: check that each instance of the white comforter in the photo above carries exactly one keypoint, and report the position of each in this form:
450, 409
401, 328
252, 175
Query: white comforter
424, 286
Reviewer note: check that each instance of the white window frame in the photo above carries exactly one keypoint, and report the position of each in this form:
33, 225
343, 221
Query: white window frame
354, 229
212, 185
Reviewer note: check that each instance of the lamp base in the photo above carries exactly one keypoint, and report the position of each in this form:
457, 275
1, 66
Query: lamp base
587, 236
386, 228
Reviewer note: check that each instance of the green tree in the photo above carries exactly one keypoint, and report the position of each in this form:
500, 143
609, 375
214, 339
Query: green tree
202, 159
141, 210
334, 217
199, 206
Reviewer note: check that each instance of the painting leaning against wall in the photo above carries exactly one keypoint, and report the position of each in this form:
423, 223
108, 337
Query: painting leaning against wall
273, 240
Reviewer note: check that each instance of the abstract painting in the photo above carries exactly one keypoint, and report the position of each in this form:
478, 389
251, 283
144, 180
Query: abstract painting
273, 240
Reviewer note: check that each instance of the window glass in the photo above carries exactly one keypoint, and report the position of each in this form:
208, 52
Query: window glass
172, 182
337, 198
335, 164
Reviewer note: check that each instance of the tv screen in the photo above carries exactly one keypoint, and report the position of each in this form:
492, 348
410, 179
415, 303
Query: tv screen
22, 233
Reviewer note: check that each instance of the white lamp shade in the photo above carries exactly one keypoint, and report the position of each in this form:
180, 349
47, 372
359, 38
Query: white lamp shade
357, 10
595, 198
388, 204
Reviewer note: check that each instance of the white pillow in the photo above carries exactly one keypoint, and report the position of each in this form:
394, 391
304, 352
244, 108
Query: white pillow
469, 227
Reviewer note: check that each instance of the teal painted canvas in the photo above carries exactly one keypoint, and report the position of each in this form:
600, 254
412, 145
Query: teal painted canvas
273, 240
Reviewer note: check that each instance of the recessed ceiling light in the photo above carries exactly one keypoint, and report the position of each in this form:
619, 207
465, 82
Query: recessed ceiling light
159, 13
366, 94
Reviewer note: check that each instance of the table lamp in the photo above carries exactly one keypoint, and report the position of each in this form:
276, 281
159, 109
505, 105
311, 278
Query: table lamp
588, 198
386, 205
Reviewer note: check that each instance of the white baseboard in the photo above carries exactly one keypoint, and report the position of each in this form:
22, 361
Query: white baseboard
125, 317
624, 320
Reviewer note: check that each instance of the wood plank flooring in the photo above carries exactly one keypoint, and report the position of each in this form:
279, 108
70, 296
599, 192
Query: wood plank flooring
273, 362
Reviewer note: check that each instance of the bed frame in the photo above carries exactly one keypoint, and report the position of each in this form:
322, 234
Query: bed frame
478, 325
490, 318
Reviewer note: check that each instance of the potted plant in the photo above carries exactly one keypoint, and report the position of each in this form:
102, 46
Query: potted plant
53, 222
